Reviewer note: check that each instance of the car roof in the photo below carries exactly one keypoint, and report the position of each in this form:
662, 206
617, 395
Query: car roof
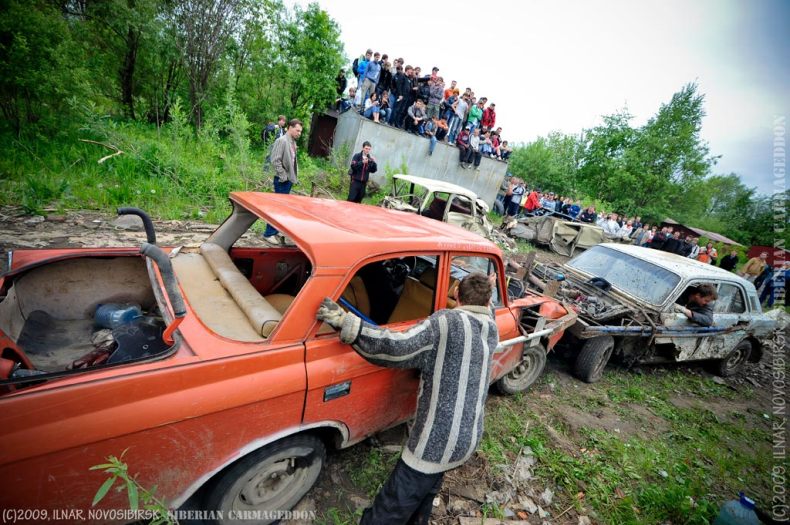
434, 185
683, 266
339, 233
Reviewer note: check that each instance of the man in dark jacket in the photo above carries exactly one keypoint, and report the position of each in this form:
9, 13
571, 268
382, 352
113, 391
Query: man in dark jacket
362, 165
673, 244
589, 216
698, 308
452, 350
685, 246
729, 262
660, 238
402, 83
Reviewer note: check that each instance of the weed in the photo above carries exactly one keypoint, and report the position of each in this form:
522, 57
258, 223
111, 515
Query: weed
140, 498
371, 470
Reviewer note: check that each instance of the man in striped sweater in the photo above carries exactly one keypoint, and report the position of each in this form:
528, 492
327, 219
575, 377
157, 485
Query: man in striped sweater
452, 349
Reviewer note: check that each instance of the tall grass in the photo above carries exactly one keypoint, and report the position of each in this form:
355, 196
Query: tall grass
171, 172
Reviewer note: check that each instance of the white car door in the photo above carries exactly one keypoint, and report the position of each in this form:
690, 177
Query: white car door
728, 310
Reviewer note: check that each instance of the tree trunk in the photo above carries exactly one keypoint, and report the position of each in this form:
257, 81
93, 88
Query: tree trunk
127, 71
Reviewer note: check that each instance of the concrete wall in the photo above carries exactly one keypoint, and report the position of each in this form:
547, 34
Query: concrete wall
394, 147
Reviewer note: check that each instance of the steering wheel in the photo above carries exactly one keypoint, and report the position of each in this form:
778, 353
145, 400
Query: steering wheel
398, 269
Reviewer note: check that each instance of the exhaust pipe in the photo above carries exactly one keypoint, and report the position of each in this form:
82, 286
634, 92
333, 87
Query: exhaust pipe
148, 224
156, 254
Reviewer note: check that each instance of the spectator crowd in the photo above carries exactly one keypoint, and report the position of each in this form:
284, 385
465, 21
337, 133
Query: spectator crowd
398, 95
515, 200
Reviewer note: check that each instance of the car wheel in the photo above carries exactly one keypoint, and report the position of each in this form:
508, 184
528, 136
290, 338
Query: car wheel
273, 478
525, 373
734, 360
592, 358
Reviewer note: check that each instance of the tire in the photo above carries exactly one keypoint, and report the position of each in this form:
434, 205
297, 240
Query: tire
592, 358
734, 360
528, 370
272, 478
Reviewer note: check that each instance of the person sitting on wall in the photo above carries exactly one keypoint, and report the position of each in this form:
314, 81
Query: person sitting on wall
464, 149
372, 108
415, 117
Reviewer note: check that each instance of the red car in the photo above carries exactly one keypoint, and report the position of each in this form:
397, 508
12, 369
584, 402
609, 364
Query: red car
209, 368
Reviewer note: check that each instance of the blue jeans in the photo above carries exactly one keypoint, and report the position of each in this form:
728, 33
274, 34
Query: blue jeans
279, 187
433, 144
455, 128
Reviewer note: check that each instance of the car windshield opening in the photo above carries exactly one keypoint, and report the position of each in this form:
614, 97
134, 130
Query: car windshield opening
629, 274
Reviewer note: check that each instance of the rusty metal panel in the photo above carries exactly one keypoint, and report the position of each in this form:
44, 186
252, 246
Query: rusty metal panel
322, 131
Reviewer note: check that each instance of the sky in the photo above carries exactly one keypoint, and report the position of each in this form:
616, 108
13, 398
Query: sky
561, 64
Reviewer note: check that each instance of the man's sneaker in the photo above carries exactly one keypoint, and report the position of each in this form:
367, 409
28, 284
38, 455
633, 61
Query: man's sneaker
272, 239
477, 168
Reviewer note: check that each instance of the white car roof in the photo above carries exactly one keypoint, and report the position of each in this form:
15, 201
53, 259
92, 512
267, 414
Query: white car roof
437, 185
683, 266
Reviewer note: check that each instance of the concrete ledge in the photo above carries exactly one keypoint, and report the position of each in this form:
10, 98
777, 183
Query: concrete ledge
394, 147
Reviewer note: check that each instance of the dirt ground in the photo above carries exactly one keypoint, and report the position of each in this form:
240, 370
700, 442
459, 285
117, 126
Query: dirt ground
338, 497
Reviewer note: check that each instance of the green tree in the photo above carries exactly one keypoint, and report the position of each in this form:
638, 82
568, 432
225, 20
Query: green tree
550, 162
41, 65
647, 169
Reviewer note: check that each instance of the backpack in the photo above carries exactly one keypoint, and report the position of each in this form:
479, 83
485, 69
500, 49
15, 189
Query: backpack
355, 67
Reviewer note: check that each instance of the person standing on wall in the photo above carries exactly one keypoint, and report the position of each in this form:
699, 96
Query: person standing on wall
362, 165
285, 170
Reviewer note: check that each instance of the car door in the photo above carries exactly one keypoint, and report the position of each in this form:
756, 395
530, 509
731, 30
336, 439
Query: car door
344, 387
729, 310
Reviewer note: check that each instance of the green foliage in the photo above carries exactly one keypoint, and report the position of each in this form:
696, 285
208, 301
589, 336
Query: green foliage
135, 58
140, 498
40, 65
646, 169
552, 163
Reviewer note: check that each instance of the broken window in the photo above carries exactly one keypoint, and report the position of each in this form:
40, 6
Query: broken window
730, 300
632, 275
463, 265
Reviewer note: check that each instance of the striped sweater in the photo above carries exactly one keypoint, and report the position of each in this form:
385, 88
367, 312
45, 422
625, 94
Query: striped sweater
453, 351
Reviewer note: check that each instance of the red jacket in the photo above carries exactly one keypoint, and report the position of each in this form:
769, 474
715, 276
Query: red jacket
489, 117
533, 202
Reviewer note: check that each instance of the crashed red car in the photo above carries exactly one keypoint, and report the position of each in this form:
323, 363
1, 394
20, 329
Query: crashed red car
222, 387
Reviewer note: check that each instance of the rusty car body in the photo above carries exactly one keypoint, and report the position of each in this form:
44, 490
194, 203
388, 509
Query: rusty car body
228, 391
626, 296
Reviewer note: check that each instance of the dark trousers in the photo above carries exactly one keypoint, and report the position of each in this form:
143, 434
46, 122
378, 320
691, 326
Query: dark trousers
356, 191
513, 207
279, 187
463, 153
406, 498
477, 156
403, 108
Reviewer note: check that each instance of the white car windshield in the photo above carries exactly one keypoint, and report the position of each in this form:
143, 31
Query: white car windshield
629, 274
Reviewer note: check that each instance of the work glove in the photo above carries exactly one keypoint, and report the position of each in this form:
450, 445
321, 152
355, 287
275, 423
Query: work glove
679, 308
331, 313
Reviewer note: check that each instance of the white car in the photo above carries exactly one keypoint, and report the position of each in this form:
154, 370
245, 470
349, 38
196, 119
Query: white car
626, 298
439, 200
